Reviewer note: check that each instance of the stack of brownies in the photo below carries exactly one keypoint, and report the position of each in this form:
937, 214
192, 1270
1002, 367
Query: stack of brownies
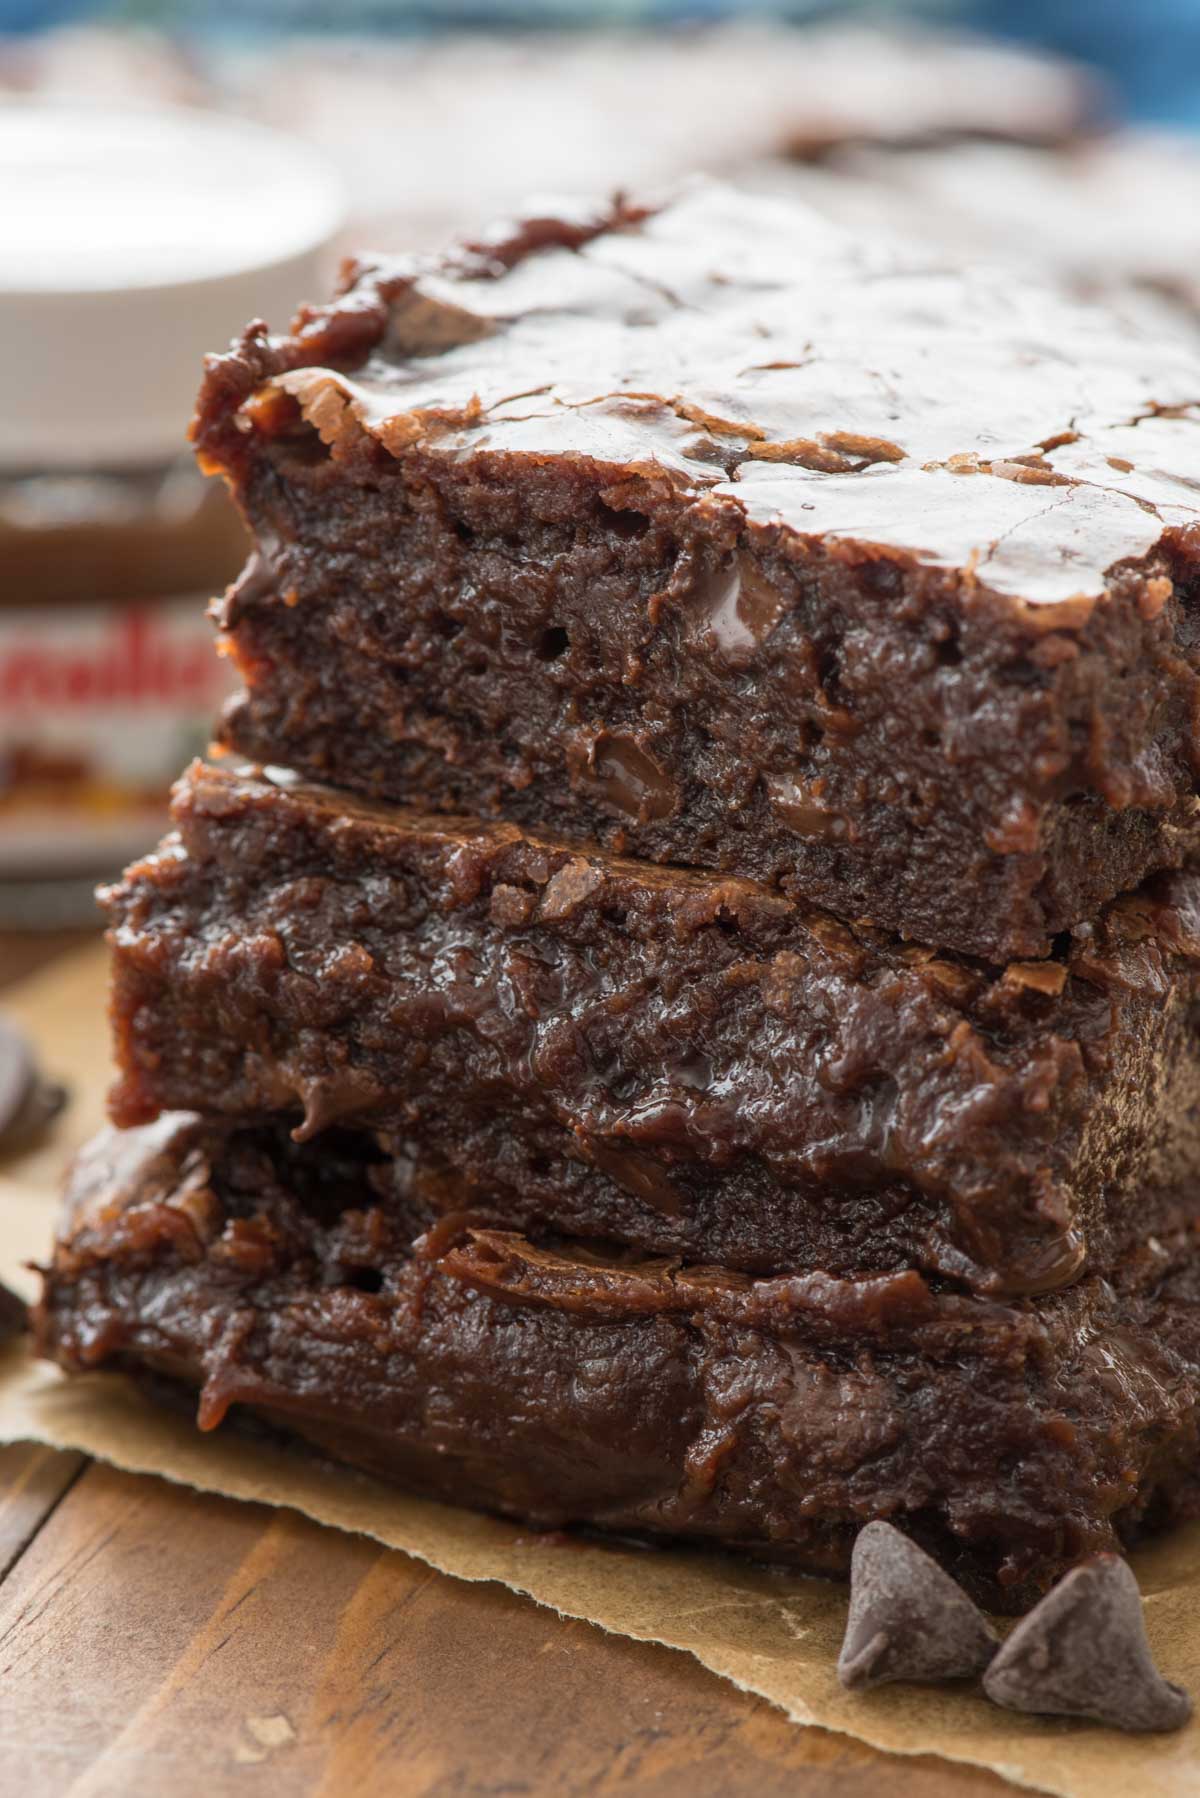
757, 1089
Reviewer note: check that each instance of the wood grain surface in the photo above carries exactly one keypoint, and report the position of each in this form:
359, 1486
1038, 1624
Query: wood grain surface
159, 1643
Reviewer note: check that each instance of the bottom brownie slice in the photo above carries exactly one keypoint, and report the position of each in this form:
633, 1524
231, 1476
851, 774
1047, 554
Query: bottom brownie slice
564, 1383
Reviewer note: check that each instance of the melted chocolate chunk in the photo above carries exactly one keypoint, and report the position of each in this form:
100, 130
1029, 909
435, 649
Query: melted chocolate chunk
1082, 1652
739, 607
908, 1619
624, 777
799, 805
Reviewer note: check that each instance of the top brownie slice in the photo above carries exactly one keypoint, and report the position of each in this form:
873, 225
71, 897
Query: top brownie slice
724, 538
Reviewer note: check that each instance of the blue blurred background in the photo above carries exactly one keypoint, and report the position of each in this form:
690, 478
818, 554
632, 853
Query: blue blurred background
1148, 50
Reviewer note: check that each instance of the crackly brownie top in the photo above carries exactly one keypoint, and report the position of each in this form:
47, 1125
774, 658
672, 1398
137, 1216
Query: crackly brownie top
757, 356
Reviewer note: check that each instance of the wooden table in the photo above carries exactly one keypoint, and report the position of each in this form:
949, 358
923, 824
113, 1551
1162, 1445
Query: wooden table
158, 1643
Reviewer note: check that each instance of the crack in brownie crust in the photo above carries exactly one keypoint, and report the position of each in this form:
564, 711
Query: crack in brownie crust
832, 567
773, 1416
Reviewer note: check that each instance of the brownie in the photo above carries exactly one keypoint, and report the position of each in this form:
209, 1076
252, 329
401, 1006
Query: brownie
1120, 208
565, 1387
719, 536
679, 1062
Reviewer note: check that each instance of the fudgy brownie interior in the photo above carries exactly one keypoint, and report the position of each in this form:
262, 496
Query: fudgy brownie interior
566, 1385
677, 1061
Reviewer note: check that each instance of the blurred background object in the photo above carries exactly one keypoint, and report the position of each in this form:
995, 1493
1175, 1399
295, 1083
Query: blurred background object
1147, 50
132, 242
434, 132
1050, 133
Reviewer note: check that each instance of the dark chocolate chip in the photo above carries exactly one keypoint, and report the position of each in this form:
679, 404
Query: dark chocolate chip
908, 1619
1082, 1652
27, 1102
626, 777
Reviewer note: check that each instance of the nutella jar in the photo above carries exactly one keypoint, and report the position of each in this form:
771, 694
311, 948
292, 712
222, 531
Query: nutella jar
134, 241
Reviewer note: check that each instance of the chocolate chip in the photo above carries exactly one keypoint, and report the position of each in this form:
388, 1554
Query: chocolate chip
626, 778
908, 1619
27, 1101
1082, 1652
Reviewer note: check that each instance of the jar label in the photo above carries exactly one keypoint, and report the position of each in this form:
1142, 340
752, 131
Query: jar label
100, 708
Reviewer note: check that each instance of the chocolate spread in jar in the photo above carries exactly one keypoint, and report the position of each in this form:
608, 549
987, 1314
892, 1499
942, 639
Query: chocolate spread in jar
134, 241
108, 680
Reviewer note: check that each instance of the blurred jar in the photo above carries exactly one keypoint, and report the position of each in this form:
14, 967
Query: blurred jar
134, 241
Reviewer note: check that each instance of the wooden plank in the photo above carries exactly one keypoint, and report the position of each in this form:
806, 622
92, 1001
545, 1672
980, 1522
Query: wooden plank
32, 1481
155, 1641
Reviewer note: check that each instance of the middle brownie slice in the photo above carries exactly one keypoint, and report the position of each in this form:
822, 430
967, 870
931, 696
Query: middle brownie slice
686, 1064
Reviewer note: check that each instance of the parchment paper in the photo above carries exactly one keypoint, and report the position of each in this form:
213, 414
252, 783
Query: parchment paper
773, 1634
